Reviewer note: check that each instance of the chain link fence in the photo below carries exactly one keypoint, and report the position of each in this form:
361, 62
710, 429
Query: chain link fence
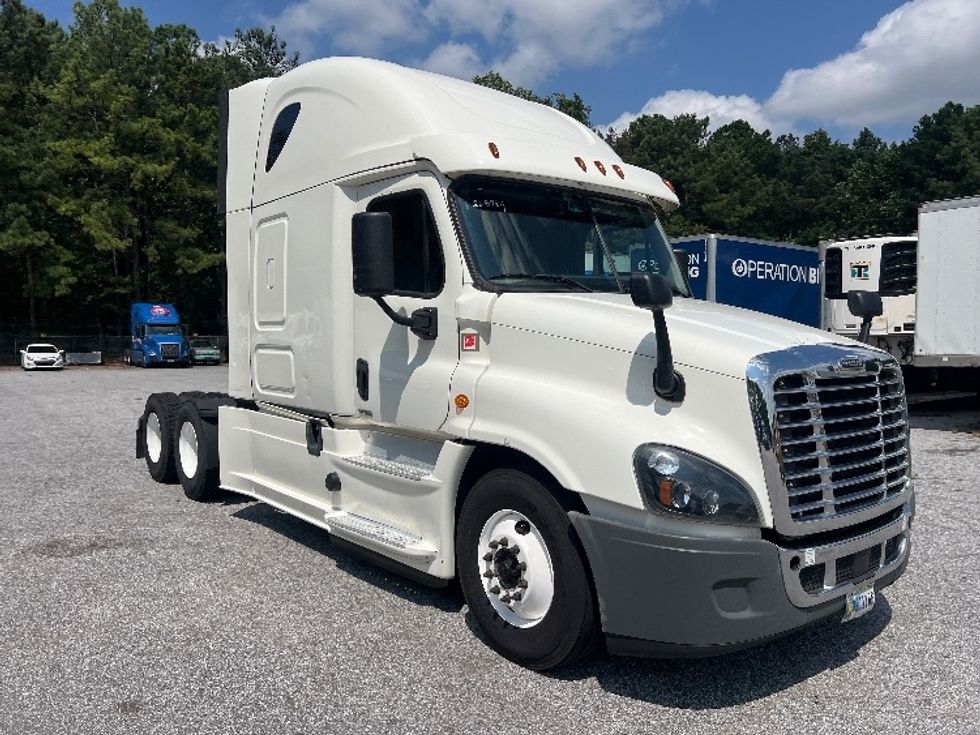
110, 349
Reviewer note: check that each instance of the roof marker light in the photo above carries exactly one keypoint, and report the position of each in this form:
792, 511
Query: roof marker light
598, 165
494, 150
581, 163
669, 185
618, 170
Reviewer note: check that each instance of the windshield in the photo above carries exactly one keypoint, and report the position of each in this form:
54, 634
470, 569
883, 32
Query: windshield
203, 343
42, 348
535, 237
162, 329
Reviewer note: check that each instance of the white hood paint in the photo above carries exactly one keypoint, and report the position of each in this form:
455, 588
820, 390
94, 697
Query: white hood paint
713, 337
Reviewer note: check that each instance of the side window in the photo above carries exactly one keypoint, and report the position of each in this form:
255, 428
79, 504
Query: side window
419, 268
281, 129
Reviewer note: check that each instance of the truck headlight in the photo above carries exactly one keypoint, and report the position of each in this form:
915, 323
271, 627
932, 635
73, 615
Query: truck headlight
681, 483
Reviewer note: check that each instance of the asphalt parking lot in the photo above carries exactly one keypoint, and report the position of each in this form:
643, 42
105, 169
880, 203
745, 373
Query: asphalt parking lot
125, 607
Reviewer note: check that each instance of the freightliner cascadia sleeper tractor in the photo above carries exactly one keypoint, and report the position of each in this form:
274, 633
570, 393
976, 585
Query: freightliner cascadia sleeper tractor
438, 354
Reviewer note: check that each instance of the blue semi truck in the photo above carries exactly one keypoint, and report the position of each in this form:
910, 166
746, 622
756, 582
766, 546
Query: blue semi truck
157, 337
778, 278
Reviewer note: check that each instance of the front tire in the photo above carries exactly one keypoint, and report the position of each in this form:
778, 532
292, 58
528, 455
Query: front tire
196, 444
159, 418
522, 572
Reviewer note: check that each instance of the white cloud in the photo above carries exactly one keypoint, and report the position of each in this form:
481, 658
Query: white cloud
354, 26
454, 60
537, 39
915, 59
525, 41
720, 109
919, 56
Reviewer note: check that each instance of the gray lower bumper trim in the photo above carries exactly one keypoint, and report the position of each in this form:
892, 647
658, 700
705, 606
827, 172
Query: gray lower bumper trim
661, 594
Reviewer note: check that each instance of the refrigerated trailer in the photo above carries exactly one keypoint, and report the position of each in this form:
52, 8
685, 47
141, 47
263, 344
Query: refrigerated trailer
927, 283
438, 355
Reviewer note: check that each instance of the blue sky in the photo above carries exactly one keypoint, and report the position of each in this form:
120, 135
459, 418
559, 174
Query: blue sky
783, 65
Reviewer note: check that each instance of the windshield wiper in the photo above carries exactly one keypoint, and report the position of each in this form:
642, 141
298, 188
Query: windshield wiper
543, 277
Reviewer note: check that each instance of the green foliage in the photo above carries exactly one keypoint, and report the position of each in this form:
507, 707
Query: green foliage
573, 106
108, 142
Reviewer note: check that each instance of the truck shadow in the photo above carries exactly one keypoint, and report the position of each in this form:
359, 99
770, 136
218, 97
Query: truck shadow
740, 677
447, 599
960, 415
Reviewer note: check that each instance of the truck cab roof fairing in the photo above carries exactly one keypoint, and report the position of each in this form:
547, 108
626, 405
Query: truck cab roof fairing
362, 114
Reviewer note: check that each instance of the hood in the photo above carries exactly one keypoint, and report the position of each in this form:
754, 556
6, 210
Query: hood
714, 337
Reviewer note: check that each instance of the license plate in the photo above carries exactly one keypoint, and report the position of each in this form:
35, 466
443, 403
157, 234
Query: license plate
859, 603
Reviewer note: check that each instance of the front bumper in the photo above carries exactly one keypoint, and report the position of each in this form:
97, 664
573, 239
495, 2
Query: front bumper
667, 595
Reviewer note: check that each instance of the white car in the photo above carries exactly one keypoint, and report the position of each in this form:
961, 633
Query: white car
42, 356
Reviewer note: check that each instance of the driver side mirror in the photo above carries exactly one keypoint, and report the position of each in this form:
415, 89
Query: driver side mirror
373, 253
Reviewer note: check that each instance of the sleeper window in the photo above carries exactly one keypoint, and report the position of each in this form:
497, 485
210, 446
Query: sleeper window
281, 129
419, 269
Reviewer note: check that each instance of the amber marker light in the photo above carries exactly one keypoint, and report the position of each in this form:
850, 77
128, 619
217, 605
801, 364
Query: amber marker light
669, 185
665, 492
598, 165
461, 401
581, 163
619, 171
494, 150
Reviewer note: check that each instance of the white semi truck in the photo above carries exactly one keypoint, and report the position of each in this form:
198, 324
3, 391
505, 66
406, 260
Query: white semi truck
927, 283
436, 356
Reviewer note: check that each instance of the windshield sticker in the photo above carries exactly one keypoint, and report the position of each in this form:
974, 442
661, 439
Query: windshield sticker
496, 205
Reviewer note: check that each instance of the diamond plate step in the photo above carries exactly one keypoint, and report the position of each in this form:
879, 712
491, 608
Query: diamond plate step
358, 528
416, 472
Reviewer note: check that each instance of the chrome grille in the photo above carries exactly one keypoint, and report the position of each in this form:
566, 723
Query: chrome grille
170, 351
843, 439
832, 428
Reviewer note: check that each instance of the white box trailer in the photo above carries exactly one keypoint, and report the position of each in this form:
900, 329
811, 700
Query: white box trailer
437, 357
931, 308
947, 300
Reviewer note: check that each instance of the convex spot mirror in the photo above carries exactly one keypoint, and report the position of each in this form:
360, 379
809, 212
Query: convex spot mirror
373, 252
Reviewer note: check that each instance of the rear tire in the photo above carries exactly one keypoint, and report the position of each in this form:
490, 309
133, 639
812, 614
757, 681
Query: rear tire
552, 620
159, 418
196, 443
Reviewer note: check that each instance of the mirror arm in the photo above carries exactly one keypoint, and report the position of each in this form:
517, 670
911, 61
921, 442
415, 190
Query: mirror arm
667, 382
423, 322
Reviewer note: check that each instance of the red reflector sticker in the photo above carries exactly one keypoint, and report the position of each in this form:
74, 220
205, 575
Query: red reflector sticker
469, 342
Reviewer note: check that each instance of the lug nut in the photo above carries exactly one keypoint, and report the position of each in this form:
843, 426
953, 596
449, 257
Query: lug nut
494, 544
517, 596
488, 557
495, 590
523, 565
504, 542
516, 549
522, 583
489, 574
506, 599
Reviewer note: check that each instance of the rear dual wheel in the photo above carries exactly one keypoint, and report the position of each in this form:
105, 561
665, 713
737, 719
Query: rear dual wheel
196, 443
159, 417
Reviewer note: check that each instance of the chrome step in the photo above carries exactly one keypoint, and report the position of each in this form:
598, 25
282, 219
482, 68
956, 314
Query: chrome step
359, 529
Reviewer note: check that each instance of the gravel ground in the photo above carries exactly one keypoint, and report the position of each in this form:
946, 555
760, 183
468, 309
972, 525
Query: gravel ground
126, 608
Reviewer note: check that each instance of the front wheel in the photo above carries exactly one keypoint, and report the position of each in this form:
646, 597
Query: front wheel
522, 572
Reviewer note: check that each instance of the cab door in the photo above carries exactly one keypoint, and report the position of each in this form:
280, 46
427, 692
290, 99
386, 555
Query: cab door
402, 378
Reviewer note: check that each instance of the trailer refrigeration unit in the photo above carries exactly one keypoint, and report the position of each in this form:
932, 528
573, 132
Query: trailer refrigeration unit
438, 355
777, 278
927, 283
